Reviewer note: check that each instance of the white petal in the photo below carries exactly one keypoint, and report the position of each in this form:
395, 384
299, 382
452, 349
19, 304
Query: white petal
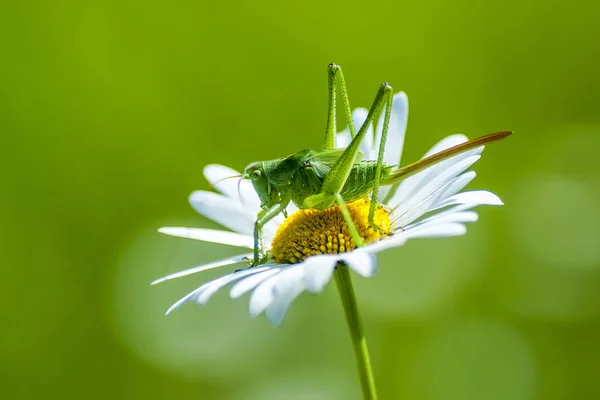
193, 294
359, 115
438, 230
289, 285
270, 229
205, 267
397, 240
416, 212
263, 295
433, 202
446, 143
224, 180
451, 188
475, 198
429, 230
342, 139
318, 271
396, 130
211, 235
457, 184
214, 286
362, 262
277, 309
414, 183
248, 197
442, 214
485, 198
223, 210
443, 218
183, 300
246, 285
238, 210
428, 195
383, 192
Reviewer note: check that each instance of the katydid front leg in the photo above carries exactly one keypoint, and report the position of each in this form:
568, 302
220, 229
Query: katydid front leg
263, 217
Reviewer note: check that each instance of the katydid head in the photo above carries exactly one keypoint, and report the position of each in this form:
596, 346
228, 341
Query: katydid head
255, 172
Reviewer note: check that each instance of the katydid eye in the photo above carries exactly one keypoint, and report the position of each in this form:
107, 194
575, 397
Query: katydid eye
255, 174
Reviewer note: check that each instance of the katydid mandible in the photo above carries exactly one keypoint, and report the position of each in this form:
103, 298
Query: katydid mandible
318, 179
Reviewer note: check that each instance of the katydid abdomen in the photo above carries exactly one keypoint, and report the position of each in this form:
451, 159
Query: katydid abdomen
308, 181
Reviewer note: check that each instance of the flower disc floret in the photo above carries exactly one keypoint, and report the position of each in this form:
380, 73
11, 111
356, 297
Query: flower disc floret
311, 232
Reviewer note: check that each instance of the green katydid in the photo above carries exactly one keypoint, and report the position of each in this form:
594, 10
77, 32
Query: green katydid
318, 179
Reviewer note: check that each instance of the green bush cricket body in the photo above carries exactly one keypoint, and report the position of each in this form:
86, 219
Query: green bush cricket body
318, 179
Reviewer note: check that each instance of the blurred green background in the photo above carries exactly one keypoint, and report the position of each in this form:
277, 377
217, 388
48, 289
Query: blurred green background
110, 109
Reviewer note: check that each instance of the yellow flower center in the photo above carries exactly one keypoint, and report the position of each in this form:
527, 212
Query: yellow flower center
310, 232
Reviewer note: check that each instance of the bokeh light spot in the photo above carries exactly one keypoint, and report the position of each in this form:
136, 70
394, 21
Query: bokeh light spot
558, 221
476, 360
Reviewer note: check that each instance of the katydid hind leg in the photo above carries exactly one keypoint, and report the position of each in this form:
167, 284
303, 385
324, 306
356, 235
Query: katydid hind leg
346, 101
336, 178
375, 191
335, 72
346, 214
331, 107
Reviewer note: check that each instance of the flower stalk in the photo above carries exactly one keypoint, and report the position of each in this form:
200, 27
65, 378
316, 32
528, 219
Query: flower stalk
359, 341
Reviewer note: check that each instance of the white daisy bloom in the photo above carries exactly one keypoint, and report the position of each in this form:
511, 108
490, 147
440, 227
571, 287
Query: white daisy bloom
307, 246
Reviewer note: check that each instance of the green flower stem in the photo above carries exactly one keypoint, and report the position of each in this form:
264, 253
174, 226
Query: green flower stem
344, 284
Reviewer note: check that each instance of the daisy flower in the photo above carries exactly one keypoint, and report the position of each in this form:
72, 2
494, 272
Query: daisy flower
305, 248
